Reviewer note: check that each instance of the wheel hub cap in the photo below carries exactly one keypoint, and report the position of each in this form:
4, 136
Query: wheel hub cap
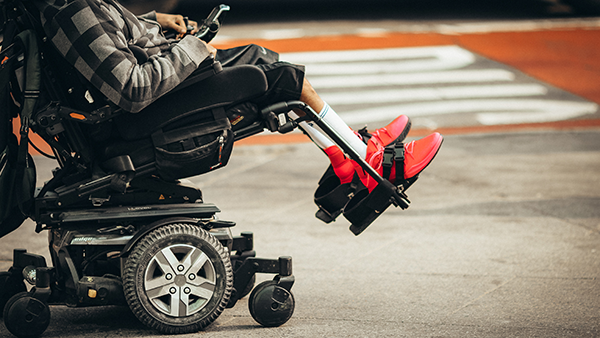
191, 288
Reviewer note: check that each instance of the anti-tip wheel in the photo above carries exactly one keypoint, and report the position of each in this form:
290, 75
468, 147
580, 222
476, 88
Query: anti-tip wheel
9, 286
265, 310
25, 316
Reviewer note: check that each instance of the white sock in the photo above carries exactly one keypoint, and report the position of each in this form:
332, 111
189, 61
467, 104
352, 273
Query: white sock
336, 123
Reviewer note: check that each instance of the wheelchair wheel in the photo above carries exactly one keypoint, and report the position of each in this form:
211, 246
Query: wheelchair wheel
178, 279
9, 286
265, 310
25, 316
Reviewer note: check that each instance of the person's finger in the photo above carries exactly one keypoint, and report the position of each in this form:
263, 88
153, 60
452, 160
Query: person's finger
180, 24
193, 24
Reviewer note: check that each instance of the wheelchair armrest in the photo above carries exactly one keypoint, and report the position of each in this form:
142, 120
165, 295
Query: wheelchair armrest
54, 111
253, 129
206, 69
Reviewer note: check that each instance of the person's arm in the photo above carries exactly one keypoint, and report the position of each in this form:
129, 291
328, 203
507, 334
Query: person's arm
149, 16
95, 44
175, 22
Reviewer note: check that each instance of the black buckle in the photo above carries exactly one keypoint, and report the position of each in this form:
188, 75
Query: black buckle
389, 156
388, 161
399, 161
399, 152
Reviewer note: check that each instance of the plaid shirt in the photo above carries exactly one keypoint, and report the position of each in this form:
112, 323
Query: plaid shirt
101, 39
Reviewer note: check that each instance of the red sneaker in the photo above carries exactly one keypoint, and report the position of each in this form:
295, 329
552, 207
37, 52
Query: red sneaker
344, 168
397, 130
418, 154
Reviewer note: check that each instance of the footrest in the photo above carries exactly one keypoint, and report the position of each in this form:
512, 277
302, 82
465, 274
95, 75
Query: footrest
365, 207
331, 196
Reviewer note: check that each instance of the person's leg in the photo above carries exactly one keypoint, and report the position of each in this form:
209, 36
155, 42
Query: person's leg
287, 82
246, 55
311, 98
418, 154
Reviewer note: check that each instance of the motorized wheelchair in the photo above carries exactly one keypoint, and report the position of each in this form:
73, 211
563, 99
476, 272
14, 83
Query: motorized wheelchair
124, 226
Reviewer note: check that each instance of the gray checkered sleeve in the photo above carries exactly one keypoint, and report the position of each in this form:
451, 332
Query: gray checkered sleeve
99, 40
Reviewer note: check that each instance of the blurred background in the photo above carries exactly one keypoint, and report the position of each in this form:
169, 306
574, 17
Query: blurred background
302, 10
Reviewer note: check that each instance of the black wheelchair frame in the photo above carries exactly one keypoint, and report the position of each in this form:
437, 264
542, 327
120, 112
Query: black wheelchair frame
119, 234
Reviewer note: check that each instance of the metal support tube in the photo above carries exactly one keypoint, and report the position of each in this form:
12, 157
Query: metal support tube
314, 116
396, 197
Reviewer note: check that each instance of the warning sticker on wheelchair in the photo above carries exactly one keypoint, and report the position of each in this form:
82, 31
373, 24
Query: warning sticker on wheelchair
435, 86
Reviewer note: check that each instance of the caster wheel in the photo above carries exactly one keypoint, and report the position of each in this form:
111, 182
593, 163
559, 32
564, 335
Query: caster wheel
25, 316
178, 279
8, 288
266, 311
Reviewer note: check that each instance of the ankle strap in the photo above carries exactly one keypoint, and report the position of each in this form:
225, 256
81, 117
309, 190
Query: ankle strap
393, 155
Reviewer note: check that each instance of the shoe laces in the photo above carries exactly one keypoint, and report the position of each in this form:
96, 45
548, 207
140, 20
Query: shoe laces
409, 149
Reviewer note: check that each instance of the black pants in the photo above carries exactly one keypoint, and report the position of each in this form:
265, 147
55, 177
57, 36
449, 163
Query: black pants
284, 83
284, 79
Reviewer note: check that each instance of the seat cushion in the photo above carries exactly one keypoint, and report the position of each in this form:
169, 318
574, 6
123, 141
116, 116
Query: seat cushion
231, 86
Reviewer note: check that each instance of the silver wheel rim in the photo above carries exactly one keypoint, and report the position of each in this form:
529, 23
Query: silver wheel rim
180, 280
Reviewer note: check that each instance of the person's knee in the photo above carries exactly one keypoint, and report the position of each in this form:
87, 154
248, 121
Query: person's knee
307, 89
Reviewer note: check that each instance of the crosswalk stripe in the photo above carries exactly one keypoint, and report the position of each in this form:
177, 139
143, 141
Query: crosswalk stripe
433, 93
568, 109
373, 85
382, 80
387, 60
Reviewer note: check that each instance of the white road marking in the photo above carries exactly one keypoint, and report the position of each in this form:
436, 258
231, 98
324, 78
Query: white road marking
441, 53
278, 34
433, 81
503, 110
433, 93
383, 80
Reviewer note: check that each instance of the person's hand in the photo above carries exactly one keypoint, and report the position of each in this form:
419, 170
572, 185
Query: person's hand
175, 22
194, 24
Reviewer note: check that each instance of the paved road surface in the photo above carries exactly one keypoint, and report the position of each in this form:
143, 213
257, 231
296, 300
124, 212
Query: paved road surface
503, 235
502, 240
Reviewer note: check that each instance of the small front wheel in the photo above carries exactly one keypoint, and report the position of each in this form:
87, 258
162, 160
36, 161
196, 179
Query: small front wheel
26, 316
9, 286
265, 309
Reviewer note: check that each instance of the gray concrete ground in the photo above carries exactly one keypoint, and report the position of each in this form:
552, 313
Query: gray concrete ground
502, 240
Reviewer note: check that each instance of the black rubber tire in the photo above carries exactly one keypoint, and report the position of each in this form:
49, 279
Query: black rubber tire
8, 288
20, 322
265, 310
142, 259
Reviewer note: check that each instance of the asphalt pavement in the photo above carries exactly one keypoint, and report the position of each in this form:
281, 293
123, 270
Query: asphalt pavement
502, 240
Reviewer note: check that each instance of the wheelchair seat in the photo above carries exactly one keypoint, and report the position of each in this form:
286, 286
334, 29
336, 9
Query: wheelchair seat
224, 89
185, 126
